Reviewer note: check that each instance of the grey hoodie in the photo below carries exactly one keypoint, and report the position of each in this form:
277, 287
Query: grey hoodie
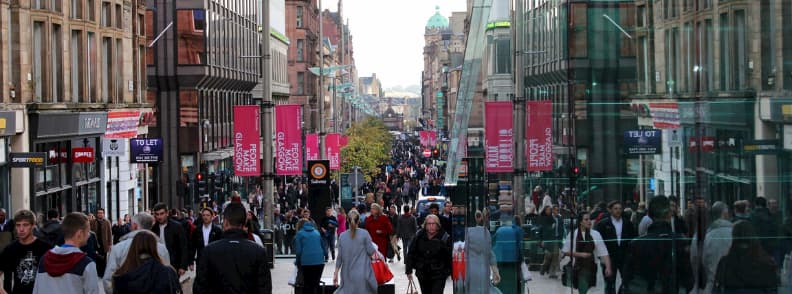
66, 270
119, 253
716, 245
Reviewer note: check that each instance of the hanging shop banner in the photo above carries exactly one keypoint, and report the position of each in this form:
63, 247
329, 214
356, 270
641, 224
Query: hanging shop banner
82, 154
113, 147
333, 150
343, 141
665, 115
246, 140
288, 134
638, 142
145, 150
311, 147
539, 135
122, 124
432, 139
499, 137
425, 138
27, 159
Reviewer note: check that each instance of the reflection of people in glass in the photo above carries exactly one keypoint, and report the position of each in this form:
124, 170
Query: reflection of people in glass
479, 252
588, 245
747, 268
508, 252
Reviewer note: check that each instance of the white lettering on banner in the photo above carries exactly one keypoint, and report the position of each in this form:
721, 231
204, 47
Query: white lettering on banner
244, 156
82, 154
540, 154
288, 156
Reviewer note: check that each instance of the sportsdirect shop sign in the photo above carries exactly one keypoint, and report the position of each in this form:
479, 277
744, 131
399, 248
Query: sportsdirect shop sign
145, 150
27, 159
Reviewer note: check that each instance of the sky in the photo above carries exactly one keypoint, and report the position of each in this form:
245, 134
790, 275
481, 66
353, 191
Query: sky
388, 35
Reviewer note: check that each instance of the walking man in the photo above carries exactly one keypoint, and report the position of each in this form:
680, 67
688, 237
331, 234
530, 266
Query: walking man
103, 230
141, 221
617, 233
20, 259
65, 269
171, 233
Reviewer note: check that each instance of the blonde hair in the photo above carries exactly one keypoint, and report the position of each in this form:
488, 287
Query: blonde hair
433, 217
353, 217
377, 207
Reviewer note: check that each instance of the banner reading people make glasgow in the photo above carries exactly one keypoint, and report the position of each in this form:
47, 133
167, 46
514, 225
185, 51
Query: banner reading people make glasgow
539, 135
499, 137
246, 140
288, 150
311, 147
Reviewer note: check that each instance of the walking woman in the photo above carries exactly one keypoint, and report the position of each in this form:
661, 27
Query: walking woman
588, 245
380, 228
309, 250
479, 253
342, 221
430, 256
143, 271
355, 251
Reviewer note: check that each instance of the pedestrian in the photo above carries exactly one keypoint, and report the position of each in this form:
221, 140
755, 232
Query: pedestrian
310, 255
547, 224
638, 216
747, 268
328, 227
588, 245
207, 233
233, 264
51, 228
65, 269
342, 221
20, 259
508, 251
430, 256
291, 231
144, 271
481, 263
103, 230
355, 252
393, 246
705, 256
141, 222
172, 234
405, 229
380, 229
617, 232
120, 228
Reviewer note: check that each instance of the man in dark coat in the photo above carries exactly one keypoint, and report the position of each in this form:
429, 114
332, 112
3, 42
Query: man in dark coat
203, 235
617, 233
172, 234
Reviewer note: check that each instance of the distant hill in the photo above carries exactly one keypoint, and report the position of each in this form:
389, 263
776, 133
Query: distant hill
411, 91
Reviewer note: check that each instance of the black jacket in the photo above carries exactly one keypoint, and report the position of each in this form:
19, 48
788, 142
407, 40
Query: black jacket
197, 240
649, 266
177, 243
151, 277
52, 231
233, 265
430, 258
616, 250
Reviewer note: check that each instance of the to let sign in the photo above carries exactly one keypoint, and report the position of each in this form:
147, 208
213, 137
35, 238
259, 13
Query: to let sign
83, 155
145, 150
642, 142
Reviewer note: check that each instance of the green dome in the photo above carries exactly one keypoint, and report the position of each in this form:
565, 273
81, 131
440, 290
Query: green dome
437, 20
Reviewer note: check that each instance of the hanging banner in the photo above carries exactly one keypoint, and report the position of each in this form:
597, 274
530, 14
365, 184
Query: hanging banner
539, 135
343, 141
122, 124
246, 140
665, 115
425, 138
499, 139
288, 150
432, 138
333, 150
311, 147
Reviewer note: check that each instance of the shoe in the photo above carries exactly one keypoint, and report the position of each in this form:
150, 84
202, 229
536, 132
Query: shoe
553, 277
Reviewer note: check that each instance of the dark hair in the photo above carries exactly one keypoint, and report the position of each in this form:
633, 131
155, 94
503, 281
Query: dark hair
207, 209
434, 206
760, 202
159, 206
143, 247
100, 209
544, 211
406, 208
674, 199
614, 202
52, 214
659, 207
745, 242
73, 223
740, 206
235, 214
25, 215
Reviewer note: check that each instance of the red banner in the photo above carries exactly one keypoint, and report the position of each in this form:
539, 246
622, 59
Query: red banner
432, 139
82, 154
311, 147
333, 150
288, 132
343, 141
539, 135
499, 140
122, 124
424, 138
246, 140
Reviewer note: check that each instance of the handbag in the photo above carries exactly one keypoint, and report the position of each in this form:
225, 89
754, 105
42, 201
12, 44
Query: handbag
381, 271
526, 274
411, 288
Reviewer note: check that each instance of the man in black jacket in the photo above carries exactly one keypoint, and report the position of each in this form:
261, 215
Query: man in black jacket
172, 234
233, 264
203, 235
617, 233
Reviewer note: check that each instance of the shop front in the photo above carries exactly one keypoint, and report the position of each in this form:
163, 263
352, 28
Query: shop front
7, 129
71, 180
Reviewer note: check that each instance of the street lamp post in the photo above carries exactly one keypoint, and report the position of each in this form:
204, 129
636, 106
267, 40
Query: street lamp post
267, 175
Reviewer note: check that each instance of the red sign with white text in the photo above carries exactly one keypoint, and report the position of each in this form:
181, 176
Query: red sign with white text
539, 135
82, 154
288, 132
424, 138
333, 148
499, 140
246, 140
311, 147
122, 124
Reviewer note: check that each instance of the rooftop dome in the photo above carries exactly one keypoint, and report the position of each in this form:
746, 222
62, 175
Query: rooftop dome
437, 20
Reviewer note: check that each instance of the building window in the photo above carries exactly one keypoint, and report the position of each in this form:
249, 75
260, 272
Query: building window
91, 70
141, 74
299, 16
91, 10
301, 83
56, 73
740, 55
118, 17
77, 9
38, 4
502, 56
106, 14
55, 5
107, 61
725, 59
687, 57
300, 49
192, 38
709, 55
149, 29
119, 71
38, 61
76, 61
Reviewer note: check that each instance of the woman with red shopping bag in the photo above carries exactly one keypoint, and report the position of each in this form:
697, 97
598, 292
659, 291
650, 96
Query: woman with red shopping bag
355, 253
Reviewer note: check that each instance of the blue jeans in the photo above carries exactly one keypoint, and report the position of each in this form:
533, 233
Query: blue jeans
405, 246
330, 242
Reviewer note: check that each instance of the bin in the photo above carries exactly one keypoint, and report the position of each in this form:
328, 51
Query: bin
267, 237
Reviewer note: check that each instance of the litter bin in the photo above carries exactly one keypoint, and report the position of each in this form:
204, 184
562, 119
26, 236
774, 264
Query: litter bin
267, 237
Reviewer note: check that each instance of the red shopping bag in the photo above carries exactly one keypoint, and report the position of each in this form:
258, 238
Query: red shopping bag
381, 271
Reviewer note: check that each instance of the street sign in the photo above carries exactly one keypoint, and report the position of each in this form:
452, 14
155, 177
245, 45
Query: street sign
762, 147
146, 150
427, 153
642, 142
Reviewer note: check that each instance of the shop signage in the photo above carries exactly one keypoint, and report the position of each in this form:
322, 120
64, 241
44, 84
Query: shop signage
7, 123
82, 154
665, 115
27, 159
288, 149
246, 140
707, 144
642, 142
539, 135
114, 147
70, 124
146, 150
499, 147
318, 171
58, 156
122, 124
761, 147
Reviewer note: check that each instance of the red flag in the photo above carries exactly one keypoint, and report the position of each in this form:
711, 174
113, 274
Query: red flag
246, 140
333, 150
539, 135
288, 149
312, 147
499, 140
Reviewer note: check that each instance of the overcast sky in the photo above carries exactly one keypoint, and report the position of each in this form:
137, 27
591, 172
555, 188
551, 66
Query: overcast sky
388, 35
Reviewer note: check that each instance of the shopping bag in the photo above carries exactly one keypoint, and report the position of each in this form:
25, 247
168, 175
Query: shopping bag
381, 271
526, 273
296, 277
411, 288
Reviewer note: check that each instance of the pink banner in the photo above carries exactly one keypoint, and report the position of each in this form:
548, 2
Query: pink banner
424, 138
122, 124
246, 140
333, 150
311, 147
499, 140
343, 141
539, 135
288, 152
